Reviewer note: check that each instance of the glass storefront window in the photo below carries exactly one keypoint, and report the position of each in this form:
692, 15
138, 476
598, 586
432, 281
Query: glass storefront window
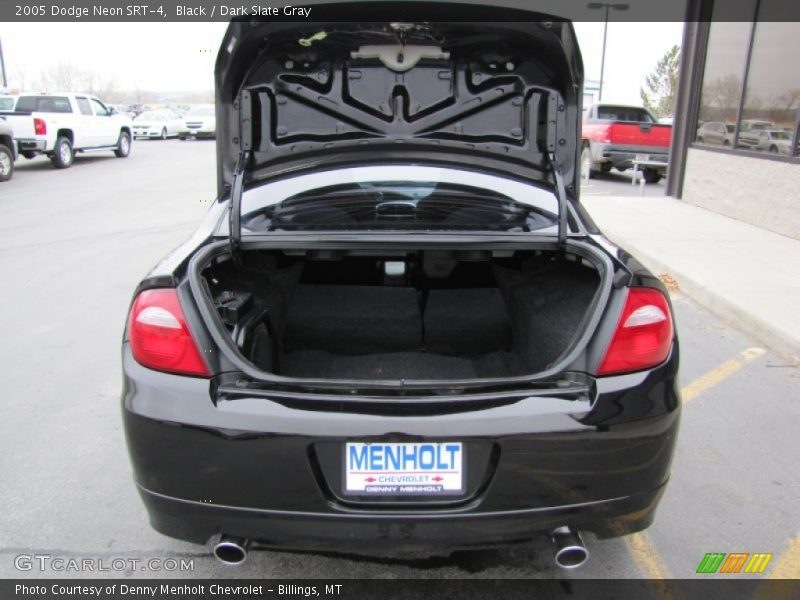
765, 116
722, 83
772, 98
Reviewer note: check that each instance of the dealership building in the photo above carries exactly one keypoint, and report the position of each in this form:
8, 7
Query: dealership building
3, 82
735, 135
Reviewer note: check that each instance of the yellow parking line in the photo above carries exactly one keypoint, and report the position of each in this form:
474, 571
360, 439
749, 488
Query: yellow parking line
647, 557
714, 376
640, 546
788, 565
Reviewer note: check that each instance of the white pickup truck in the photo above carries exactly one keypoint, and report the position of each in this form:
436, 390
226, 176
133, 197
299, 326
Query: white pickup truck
63, 124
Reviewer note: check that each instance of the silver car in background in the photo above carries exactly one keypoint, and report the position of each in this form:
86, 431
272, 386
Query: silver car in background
157, 124
200, 121
774, 141
716, 133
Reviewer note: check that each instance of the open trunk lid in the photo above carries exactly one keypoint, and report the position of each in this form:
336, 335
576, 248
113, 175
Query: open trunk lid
299, 96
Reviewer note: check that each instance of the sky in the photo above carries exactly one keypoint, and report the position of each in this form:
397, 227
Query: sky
167, 57
632, 51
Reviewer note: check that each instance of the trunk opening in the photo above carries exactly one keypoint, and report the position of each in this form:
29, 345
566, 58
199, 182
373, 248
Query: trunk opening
415, 315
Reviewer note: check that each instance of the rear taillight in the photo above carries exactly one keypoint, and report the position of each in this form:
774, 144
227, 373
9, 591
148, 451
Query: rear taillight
643, 336
39, 126
159, 336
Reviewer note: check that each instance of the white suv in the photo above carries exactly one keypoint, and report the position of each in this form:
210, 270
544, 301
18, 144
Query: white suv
62, 124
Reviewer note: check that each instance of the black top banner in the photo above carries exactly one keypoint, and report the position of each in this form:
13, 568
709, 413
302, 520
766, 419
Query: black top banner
378, 10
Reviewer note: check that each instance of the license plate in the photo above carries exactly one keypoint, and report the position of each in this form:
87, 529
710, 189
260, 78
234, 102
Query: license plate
409, 468
642, 158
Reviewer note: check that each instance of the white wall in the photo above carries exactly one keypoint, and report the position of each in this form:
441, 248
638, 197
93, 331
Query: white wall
761, 192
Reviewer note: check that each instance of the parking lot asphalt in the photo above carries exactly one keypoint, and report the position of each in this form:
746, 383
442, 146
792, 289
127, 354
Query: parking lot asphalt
75, 243
620, 183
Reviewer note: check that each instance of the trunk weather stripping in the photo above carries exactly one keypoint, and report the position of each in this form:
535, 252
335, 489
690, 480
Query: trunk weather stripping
237, 188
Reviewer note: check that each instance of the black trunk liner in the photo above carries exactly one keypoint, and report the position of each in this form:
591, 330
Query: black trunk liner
340, 320
393, 365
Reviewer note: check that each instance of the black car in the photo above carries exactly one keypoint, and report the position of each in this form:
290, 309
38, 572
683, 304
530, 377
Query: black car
397, 329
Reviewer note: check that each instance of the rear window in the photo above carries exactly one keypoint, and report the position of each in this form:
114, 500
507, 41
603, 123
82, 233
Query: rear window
46, 104
152, 116
624, 114
201, 111
351, 200
84, 106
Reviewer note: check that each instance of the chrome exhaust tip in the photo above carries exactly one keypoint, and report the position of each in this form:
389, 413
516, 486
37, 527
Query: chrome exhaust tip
231, 550
571, 552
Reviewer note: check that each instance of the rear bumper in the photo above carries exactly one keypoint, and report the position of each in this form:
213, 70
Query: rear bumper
623, 156
150, 133
197, 133
269, 470
397, 533
30, 145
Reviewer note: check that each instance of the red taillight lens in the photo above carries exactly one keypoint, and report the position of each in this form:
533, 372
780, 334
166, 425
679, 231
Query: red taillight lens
644, 334
39, 126
608, 134
159, 336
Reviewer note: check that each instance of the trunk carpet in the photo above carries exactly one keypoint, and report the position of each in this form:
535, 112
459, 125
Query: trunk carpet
393, 365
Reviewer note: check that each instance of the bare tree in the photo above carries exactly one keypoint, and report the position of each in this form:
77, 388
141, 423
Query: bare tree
782, 108
723, 94
787, 102
68, 77
62, 76
104, 87
18, 76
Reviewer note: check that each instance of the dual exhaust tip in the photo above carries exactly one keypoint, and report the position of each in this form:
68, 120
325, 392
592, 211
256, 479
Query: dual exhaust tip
570, 551
231, 550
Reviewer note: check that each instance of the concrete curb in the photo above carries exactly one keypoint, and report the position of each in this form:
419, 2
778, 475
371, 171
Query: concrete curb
774, 338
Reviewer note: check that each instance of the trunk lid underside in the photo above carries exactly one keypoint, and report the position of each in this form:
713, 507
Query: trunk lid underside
311, 96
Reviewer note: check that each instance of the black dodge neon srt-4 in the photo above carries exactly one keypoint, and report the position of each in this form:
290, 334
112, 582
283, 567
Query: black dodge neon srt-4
397, 329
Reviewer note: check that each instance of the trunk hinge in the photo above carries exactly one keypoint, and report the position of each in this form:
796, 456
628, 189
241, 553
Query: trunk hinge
244, 105
235, 221
561, 198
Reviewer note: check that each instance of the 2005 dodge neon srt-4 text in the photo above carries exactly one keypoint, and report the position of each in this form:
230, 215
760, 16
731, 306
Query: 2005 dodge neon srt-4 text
151, 10
397, 329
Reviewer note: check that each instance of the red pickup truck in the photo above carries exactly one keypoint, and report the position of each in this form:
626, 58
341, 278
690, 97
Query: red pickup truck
615, 136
